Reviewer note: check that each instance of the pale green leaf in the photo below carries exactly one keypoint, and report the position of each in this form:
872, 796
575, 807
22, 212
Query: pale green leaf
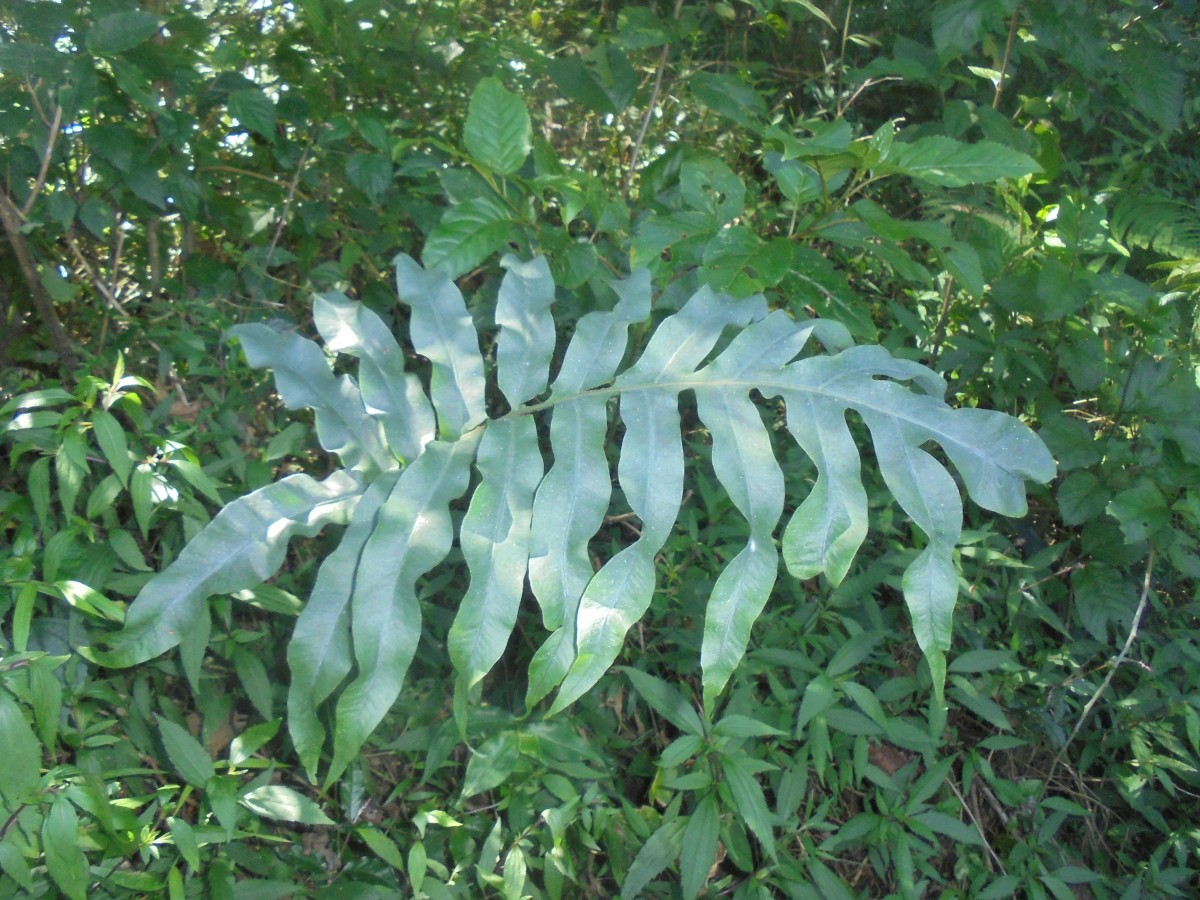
394, 397
442, 331
498, 132
320, 654
526, 342
412, 535
303, 378
241, 547
275, 801
111, 438
494, 537
749, 801
468, 233
492, 762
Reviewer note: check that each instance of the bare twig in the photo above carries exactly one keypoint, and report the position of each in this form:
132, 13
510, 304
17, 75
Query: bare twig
978, 826
55, 124
1012, 33
627, 181
287, 203
1116, 664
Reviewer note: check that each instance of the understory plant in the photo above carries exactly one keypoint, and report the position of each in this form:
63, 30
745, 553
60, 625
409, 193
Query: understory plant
407, 450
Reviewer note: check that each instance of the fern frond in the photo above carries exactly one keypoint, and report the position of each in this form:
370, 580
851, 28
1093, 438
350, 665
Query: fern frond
1157, 223
360, 628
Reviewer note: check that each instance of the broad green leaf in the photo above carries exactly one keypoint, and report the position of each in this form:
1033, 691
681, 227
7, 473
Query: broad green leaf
303, 379
660, 850
117, 32
395, 397
21, 752
945, 162
603, 80
67, 865
371, 173
957, 26
111, 438
492, 762
320, 654
526, 342
1141, 510
274, 801
254, 110
494, 537
498, 132
468, 233
748, 800
666, 700
189, 758
699, 848
412, 534
381, 845
242, 546
729, 96
442, 331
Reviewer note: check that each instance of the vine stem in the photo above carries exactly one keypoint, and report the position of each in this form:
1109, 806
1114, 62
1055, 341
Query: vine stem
1116, 664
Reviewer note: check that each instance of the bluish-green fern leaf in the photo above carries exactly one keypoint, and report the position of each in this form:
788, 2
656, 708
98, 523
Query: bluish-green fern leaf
409, 449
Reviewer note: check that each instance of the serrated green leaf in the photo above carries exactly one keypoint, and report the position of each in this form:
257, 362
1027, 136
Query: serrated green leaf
1141, 511
468, 233
498, 132
243, 545
412, 534
945, 162
189, 758
748, 800
699, 848
117, 32
371, 173
660, 850
254, 110
442, 331
60, 843
274, 801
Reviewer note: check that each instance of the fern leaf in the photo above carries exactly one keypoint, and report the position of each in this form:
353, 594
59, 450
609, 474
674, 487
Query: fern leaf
241, 547
495, 542
442, 331
320, 653
412, 534
303, 379
526, 341
396, 398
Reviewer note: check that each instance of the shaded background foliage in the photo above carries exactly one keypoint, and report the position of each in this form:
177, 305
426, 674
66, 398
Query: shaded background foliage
169, 169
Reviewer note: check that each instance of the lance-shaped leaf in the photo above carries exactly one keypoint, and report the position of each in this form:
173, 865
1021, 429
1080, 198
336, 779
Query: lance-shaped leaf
320, 655
651, 474
442, 331
303, 379
396, 398
495, 542
241, 547
526, 341
946, 162
573, 497
412, 534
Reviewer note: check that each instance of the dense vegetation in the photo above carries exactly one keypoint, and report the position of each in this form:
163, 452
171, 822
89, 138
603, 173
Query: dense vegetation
1003, 192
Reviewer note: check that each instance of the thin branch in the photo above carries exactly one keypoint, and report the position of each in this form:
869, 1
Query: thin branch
45, 167
287, 203
627, 181
1012, 33
1116, 664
